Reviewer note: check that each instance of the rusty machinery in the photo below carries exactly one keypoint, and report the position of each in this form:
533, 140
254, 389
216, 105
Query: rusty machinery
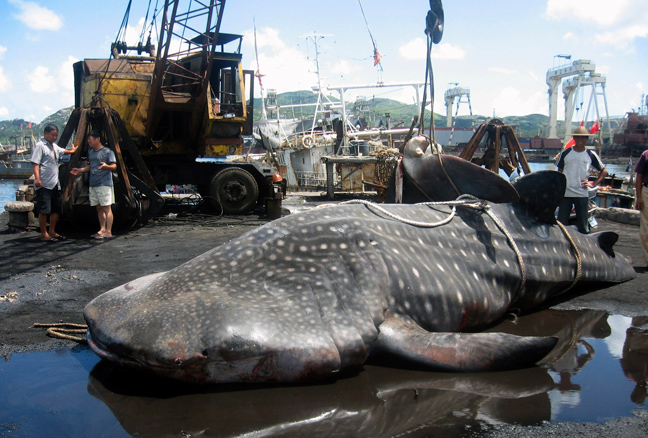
191, 101
497, 136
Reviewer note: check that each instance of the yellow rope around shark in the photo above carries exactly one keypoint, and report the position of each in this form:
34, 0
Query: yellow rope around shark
64, 330
577, 256
463, 200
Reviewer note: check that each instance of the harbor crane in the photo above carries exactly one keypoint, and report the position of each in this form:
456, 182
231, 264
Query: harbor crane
452, 94
574, 77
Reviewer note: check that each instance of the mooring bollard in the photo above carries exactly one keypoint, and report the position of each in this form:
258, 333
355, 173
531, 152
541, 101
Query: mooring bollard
19, 214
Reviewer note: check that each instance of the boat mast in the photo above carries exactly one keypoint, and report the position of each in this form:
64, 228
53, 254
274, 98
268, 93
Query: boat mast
264, 112
314, 38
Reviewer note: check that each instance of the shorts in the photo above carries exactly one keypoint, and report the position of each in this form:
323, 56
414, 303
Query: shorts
102, 195
49, 201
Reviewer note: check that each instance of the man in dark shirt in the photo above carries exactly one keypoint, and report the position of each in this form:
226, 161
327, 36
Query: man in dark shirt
641, 196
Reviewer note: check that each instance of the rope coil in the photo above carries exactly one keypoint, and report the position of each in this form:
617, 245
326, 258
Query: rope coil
64, 330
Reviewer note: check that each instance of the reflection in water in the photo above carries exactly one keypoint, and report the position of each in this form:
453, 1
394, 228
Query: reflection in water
378, 402
634, 362
579, 381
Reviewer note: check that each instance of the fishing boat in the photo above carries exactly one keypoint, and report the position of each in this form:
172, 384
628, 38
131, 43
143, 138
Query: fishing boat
301, 145
14, 164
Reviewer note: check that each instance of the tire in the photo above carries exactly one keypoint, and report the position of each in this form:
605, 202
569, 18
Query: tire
235, 189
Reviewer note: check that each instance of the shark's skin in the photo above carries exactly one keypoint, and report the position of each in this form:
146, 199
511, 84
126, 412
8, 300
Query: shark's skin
316, 293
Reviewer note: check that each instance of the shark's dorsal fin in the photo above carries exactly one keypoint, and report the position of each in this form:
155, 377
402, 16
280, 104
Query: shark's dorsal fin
540, 193
606, 240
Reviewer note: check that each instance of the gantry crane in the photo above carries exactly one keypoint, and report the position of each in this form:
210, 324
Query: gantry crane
456, 93
581, 73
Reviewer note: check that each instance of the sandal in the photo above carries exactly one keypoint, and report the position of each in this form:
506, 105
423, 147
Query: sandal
50, 240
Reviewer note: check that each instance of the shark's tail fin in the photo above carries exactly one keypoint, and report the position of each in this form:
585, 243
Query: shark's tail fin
461, 351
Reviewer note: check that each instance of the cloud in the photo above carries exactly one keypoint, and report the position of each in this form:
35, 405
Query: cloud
510, 101
448, 51
569, 36
285, 68
504, 71
66, 74
3, 50
41, 82
623, 35
601, 12
4, 81
4, 111
616, 23
37, 17
343, 67
417, 49
265, 38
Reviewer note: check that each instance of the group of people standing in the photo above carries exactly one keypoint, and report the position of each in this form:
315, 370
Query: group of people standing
45, 157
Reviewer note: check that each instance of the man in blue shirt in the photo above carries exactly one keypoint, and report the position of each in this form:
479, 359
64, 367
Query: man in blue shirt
102, 194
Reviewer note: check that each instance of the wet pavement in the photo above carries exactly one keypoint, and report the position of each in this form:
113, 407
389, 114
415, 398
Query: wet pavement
593, 383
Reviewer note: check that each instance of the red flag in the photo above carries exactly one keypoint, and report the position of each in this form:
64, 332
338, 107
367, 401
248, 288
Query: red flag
595, 127
377, 56
29, 126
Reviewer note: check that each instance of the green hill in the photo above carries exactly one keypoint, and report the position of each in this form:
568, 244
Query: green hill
401, 114
13, 131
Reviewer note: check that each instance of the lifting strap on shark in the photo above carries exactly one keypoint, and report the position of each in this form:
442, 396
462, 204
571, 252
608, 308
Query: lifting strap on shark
473, 202
468, 201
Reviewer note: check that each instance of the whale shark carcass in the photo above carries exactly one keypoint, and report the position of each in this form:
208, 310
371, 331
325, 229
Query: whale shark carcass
313, 294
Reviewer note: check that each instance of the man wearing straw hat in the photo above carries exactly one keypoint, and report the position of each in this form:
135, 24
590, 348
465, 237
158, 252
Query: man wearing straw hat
575, 163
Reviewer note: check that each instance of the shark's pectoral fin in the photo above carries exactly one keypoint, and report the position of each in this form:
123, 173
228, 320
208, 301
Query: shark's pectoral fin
461, 351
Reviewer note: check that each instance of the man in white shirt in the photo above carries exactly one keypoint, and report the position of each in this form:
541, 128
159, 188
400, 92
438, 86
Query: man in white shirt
575, 163
45, 157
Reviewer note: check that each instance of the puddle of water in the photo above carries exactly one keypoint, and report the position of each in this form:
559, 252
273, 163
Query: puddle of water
597, 372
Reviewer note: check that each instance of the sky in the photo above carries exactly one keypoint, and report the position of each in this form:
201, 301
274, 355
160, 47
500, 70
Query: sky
499, 49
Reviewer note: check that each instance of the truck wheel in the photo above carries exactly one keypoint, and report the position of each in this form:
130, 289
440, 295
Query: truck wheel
235, 189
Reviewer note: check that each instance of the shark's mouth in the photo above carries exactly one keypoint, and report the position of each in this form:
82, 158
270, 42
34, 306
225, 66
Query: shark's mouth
104, 352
